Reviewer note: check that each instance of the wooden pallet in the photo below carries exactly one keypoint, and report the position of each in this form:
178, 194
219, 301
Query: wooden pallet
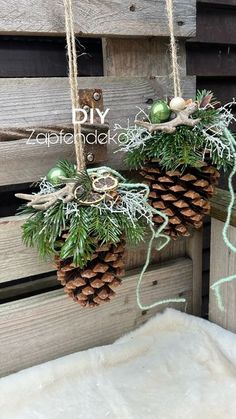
37, 325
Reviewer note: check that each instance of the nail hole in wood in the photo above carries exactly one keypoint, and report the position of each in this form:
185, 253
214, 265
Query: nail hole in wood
149, 101
132, 8
154, 282
144, 312
180, 23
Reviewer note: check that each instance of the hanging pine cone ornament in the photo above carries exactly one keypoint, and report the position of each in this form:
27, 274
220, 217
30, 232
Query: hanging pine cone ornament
96, 283
182, 196
83, 220
180, 158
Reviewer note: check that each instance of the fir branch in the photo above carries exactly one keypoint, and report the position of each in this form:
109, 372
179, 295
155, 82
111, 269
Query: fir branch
68, 167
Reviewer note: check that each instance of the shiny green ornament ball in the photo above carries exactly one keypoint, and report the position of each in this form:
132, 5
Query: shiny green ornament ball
159, 112
54, 175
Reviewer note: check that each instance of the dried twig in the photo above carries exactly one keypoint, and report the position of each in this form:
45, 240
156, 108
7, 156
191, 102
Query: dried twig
182, 118
44, 202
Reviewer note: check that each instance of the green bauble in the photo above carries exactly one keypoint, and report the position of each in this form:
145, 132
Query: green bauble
54, 175
159, 112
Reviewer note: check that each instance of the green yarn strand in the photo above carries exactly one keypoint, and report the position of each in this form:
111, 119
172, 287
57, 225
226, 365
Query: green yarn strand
225, 232
155, 235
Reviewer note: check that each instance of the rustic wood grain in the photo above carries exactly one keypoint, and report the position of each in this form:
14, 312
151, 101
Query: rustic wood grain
223, 264
140, 57
17, 261
45, 327
100, 17
219, 206
194, 251
46, 101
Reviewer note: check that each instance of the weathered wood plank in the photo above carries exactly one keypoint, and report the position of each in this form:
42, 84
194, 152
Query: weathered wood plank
147, 57
37, 155
100, 17
194, 251
54, 326
17, 261
223, 264
46, 101
219, 206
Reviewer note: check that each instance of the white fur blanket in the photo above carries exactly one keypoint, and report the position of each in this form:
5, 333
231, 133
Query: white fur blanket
174, 367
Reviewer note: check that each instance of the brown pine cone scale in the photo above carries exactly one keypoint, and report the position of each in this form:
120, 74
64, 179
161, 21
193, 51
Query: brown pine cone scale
94, 284
182, 196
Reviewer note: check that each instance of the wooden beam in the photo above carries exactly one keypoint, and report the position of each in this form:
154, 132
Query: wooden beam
100, 17
46, 101
219, 206
17, 261
47, 326
223, 264
140, 57
194, 251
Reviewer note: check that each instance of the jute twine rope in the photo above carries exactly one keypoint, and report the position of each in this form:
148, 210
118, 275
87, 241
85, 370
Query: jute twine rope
73, 74
73, 79
173, 50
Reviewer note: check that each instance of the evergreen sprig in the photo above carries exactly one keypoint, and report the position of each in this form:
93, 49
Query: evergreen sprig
68, 167
82, 231
186, 146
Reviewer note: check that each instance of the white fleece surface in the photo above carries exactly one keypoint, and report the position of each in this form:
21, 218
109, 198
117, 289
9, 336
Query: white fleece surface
174, 367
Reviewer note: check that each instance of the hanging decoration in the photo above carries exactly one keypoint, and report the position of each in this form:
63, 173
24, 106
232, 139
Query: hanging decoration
83, 217
181, 161
180, 146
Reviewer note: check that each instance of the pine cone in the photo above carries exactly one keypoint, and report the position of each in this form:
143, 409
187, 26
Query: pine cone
184, 197
94, 284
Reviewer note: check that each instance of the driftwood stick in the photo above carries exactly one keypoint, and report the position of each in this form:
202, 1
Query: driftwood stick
182, 118
43, 202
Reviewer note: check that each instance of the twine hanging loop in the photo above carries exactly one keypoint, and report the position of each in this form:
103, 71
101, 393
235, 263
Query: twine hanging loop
173, 50
73, 79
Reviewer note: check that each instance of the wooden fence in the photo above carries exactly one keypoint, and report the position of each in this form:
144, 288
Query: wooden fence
37, 322
223, 263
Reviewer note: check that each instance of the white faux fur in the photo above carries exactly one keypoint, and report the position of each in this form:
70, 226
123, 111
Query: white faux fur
174, 367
